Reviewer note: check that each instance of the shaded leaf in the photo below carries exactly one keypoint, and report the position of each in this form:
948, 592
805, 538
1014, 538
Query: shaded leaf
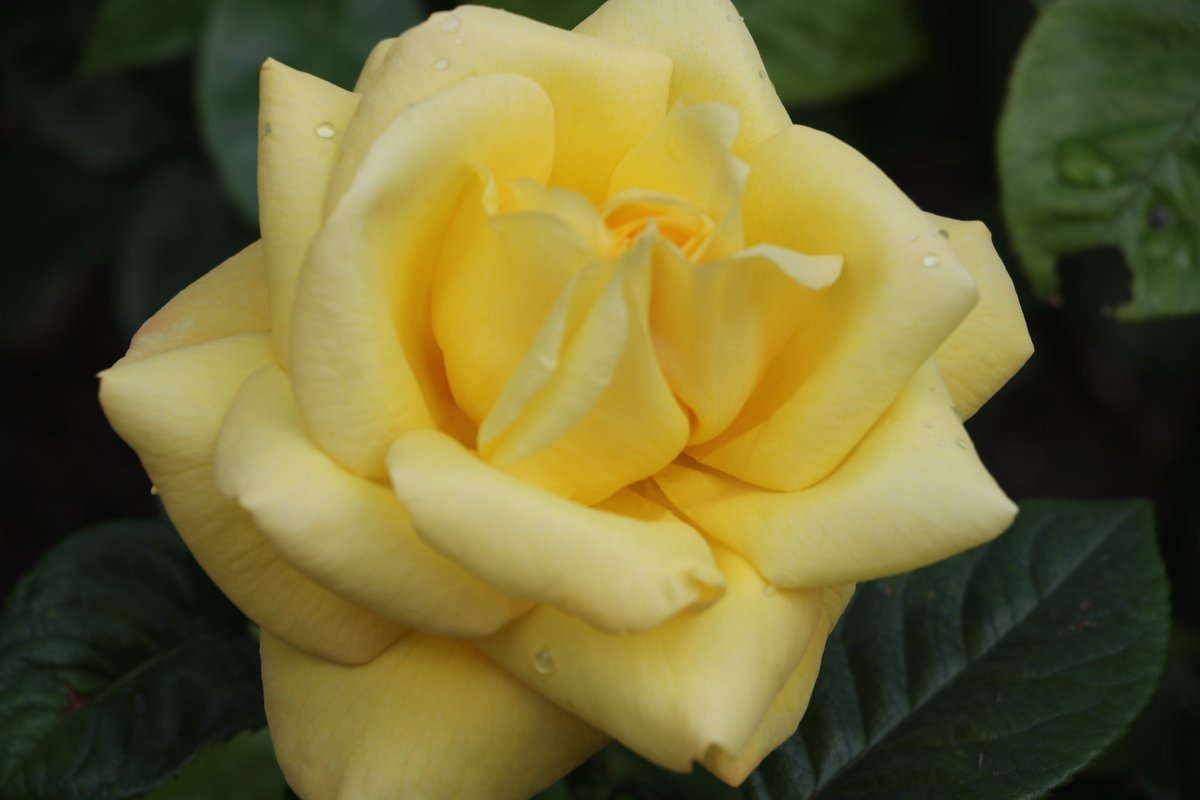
996, 674
1100, 145
243, 768
326, 38
137, 33
181, 227
118, 660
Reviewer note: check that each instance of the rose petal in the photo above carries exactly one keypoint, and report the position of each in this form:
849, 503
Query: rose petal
913, 492
991, 344
688, 157
714, 56
784, 713
719, 325
169, 409
499, 273
342, 530
301, 123
588, 411
430, 718
605, 95
625, 566
901, 293
698, 681
364, 364
228, 300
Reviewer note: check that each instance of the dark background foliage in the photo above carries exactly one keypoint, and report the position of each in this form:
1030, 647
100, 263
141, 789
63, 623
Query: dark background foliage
112, 201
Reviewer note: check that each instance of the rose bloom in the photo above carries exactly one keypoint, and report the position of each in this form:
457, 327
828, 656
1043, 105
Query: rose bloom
566, 396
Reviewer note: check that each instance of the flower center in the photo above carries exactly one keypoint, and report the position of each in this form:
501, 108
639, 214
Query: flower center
628, 214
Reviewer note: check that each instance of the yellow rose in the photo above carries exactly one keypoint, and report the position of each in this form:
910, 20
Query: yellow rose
567, 394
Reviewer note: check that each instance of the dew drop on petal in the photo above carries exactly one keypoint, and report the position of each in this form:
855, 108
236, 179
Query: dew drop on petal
451, 23
441, 63
543, 661
769, 589
930, 260
961, 442
928, 424
326, 130
458, 40
914, 237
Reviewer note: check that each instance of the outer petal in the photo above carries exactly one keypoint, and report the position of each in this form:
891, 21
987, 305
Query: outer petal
344, 531
625, 566
911, 493
605, 96
715, 57
430, 718
364, 363
992, 343
718, 325
698, 681
228, 300
901, 293
589, 411
783, 716
301, 121
169, 409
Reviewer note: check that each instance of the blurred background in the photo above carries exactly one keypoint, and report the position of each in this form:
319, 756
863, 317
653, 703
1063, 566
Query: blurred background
127, 134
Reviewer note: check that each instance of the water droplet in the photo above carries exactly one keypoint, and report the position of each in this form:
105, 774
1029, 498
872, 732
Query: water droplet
942, 232
458, 40
451, 23
961, 442
326, 130
928, 424
441, 63
769, 589
543, 662
930, 260
1081, 164
914, 237
154, 490
941, 442
266, 129
762, 76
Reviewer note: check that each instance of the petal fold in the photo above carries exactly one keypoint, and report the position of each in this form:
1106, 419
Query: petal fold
901, 292
344, 531
301, 122
364, 363
430, 718
913, 492
588, 411
719, 325
626, 565
672, 693
228, 300
169, 409
788, 707
991, 344
714, 56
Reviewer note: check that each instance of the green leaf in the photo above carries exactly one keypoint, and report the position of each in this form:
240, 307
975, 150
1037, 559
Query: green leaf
996, 674
821, 52
138, 33
118, 660
1099, 145
181, 227
243, 768
815, 52
327, 38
